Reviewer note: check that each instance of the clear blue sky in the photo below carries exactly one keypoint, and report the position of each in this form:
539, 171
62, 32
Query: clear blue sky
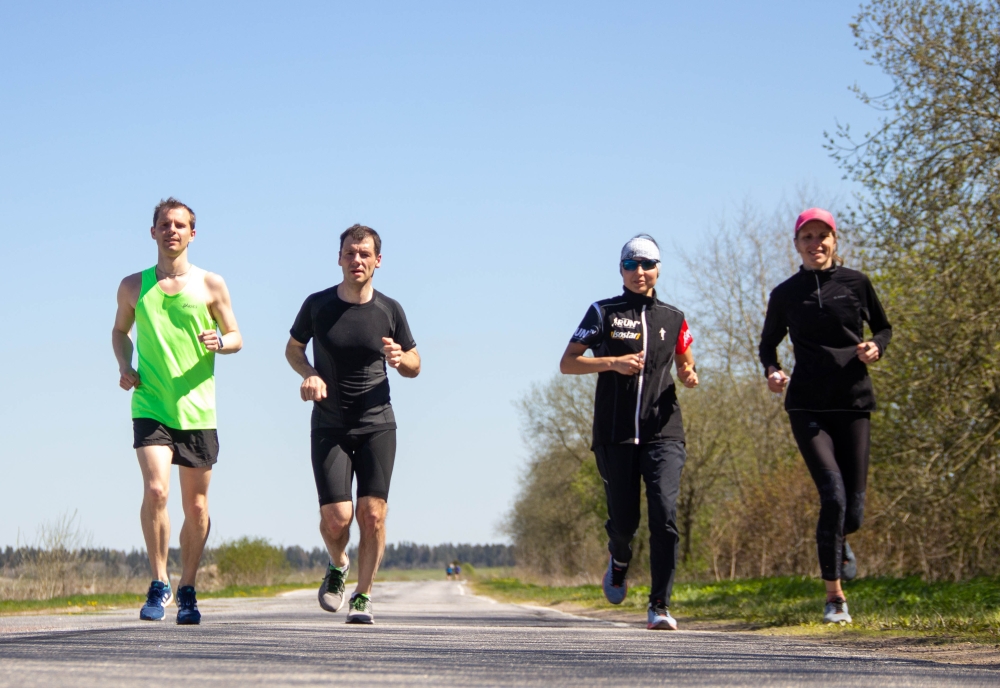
504, 151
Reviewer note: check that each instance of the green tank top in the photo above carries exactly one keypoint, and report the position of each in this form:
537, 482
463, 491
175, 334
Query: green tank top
176, 371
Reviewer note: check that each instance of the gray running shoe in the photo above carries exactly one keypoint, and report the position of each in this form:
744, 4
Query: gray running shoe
331, 592
658, 618
848, 569
361, 611
836, 612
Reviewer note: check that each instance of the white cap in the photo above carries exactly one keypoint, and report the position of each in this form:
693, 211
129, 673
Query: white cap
641, 248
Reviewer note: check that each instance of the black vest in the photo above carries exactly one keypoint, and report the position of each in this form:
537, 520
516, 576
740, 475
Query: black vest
642, 408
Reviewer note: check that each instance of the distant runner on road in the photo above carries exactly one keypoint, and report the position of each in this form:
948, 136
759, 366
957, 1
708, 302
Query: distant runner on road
356, 331
178, 310
635, 338
830, 396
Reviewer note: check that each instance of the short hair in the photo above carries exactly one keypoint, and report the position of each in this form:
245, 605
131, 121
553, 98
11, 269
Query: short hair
360, 233
170, 204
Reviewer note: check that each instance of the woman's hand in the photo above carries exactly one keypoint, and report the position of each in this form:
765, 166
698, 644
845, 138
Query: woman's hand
776, 380
868, 352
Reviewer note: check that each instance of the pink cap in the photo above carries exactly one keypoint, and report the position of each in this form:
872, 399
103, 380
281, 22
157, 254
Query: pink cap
824, 216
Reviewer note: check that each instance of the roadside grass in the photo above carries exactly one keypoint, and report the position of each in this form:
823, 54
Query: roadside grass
99, 602
968, 610
74, 604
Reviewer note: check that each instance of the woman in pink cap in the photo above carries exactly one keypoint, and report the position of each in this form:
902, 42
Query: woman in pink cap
823, 308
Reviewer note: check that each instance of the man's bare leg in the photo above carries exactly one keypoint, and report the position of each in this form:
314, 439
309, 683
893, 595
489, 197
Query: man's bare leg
154, 462
371, 521
335, 527
194, 532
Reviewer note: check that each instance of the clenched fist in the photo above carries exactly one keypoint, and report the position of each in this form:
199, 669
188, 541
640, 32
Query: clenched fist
129, 379
393, 352
211, 340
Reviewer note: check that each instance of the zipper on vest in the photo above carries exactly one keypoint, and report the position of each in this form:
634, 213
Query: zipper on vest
819, 290
638, 396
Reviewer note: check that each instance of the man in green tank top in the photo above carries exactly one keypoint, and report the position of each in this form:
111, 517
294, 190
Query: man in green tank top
178, 311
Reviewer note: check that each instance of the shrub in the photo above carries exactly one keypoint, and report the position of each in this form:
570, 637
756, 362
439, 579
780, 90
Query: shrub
251, 561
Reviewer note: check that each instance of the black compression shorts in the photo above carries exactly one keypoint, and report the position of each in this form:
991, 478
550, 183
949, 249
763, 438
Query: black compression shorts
337, 458
192, 448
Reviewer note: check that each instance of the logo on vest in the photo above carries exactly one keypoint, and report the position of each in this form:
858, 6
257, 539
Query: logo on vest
625, 322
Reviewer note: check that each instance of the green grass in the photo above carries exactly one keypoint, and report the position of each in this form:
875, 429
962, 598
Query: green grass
89, 603
73, 603
970, 609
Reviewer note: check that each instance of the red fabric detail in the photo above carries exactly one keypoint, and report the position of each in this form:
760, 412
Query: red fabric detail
684, 339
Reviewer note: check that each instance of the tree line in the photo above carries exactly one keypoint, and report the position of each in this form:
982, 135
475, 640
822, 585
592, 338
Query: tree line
134, 563
925, 228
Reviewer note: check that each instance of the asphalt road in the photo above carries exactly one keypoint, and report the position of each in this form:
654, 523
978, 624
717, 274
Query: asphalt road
426, 633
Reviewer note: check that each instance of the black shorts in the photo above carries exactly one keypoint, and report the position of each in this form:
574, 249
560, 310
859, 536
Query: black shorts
337, 458
192, 448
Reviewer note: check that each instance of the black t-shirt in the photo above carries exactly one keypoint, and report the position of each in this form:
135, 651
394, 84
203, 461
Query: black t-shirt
347, 353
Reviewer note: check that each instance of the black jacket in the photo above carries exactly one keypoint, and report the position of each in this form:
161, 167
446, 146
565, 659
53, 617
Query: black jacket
628, 324
823, 311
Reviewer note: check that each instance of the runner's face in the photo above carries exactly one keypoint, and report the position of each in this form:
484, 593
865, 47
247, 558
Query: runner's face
358, 260
816, 243
172, 231
640, 281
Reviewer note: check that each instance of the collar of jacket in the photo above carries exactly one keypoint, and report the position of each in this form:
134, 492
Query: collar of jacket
639, 299
803, 270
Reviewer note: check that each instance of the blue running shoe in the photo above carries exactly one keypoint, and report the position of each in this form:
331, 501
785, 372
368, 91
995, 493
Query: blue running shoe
187, 607
658, 618
158, 597
849, 568
614, 583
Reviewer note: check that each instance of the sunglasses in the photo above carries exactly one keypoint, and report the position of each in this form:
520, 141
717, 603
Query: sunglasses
632, 265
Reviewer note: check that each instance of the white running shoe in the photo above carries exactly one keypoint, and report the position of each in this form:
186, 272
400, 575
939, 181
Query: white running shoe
836, 612
361, 611
331, 592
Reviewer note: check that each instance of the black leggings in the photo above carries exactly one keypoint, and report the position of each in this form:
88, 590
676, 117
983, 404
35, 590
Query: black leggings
835, 447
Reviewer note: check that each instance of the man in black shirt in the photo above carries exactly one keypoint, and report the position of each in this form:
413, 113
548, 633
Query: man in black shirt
356, 331
638, 434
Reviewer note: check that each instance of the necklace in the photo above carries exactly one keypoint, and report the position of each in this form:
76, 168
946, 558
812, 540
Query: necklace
174, 276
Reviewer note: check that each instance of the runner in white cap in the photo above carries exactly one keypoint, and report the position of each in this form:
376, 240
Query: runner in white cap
638, 433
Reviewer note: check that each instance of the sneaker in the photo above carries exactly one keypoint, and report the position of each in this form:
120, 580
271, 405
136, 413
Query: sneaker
848, 569
361, 609
658, 618
158, 597
331, 592
614, 583
187, 607
836, 612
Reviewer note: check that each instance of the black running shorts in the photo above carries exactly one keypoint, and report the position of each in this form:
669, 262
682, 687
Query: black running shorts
192, 448
337, 458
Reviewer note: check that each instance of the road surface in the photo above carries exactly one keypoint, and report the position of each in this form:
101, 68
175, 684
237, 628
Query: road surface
426, 633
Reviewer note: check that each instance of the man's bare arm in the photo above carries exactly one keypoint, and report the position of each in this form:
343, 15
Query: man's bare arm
406, 362
221, 307
313, 387
121, 341
409, 364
